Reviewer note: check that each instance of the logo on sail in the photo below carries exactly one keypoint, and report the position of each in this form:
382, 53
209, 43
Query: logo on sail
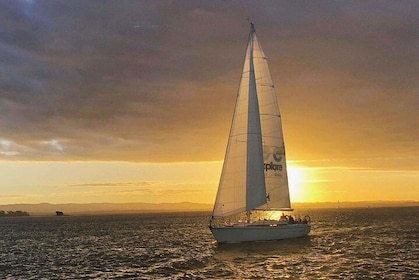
275, 154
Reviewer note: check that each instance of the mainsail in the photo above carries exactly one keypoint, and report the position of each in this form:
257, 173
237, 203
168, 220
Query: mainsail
254, 172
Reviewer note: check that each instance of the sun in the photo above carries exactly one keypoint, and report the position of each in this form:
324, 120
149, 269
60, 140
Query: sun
296, 179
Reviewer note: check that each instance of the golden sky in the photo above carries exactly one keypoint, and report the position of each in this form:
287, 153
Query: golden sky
132, 100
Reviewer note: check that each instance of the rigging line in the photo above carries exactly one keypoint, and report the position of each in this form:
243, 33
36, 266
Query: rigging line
236, 135
271, 137
266, 85
272, 115
252, 133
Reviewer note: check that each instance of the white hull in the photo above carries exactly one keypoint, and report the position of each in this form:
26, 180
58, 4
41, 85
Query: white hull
232, 234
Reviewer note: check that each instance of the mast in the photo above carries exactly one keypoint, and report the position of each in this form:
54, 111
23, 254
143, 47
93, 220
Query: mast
252, 88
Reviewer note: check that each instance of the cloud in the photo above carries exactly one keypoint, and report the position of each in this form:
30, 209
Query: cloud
7, 196
160, 192
45, 148
6, 148
156, 81
55, 145
116, 184
136, 191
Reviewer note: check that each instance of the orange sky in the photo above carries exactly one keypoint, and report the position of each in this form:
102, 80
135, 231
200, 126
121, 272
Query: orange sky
85, 182
133, 101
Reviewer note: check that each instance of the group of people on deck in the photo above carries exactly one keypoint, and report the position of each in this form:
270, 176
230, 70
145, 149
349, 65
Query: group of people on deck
284, 219
291, 220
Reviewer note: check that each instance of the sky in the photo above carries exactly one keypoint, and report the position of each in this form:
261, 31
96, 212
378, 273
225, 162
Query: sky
131, 101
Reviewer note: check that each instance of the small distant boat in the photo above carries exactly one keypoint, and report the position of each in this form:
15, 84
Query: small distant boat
254, 175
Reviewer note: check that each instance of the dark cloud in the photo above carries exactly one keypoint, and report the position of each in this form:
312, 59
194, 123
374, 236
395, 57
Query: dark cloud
156, 80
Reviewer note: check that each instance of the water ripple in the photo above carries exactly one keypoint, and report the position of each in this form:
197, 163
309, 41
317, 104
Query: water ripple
343, 244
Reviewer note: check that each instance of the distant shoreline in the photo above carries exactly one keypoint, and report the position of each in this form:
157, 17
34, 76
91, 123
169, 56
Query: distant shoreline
17, 213
49, 209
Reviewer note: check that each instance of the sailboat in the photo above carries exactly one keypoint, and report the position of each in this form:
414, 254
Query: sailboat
254, 174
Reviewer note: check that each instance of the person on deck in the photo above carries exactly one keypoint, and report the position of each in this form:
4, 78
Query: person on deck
291, 220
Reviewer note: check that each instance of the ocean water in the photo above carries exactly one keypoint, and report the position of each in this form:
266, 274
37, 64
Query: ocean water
371, 243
